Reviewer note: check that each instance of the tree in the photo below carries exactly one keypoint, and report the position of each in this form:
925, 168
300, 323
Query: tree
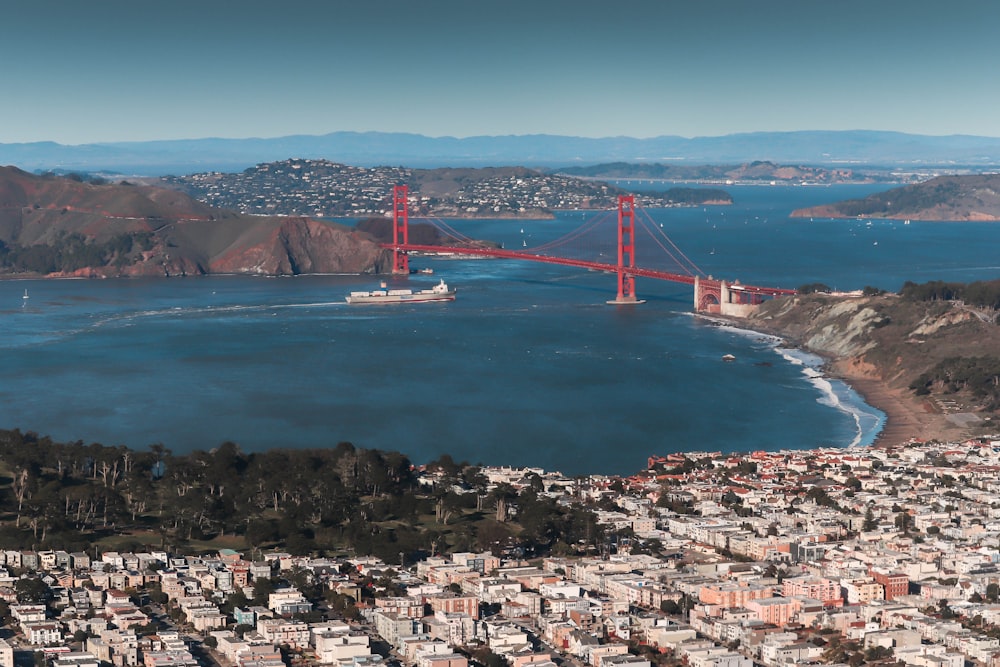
670, 607
484, 656
731, 499
235, 600
945, 610
874, 653
342, 605
262, 588
32, 589
492, 536
445, 507
503, 494
870, 523
20, 486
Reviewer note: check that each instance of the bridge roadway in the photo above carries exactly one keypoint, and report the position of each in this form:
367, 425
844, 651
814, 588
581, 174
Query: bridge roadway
584, 264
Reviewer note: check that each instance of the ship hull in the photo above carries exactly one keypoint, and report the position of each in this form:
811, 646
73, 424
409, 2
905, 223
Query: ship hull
439, 292
400, 298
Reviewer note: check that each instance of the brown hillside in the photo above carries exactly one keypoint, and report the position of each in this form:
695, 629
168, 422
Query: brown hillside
182, 236
882, 344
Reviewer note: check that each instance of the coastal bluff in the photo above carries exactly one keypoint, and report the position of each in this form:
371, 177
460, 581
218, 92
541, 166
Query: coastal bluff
886, 347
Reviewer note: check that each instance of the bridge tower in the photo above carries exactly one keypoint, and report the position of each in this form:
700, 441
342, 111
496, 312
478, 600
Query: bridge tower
626, 252
400, 230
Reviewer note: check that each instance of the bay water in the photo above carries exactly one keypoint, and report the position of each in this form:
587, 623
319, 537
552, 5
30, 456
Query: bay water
528, 367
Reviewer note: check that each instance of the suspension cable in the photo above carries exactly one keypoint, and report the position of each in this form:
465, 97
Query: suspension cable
679, 258
574, 234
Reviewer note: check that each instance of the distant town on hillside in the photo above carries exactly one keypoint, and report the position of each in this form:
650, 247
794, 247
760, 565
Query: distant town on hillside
320, 188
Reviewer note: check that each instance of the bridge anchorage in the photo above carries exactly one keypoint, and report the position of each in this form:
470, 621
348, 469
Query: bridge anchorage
710, 295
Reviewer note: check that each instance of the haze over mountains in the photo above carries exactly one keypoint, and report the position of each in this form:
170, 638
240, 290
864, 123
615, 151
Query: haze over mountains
856, 147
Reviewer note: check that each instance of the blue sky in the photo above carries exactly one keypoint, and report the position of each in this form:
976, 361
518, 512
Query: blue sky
116, 70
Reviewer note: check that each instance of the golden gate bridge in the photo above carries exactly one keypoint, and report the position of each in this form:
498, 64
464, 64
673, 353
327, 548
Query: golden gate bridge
711, 295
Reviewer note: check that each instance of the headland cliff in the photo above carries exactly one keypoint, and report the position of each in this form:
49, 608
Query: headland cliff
931, 366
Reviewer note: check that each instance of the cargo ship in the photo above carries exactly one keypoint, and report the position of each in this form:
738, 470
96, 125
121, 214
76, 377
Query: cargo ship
439, 292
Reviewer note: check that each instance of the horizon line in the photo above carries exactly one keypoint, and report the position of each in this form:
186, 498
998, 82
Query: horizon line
495, 136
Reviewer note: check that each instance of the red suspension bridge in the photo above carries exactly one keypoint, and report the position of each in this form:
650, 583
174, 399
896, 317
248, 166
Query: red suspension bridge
710, 294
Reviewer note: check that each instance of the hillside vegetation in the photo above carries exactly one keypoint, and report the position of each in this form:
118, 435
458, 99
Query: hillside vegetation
72, 495
962, 198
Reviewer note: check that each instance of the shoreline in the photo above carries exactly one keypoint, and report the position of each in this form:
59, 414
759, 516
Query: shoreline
907, 417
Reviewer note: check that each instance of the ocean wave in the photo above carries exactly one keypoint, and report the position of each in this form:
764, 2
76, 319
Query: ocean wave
836, 394
729, 327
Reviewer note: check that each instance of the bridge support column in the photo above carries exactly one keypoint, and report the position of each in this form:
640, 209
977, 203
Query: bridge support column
626, 252
400, 230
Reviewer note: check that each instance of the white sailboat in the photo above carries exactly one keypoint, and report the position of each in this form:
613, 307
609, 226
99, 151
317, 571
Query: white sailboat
24, 299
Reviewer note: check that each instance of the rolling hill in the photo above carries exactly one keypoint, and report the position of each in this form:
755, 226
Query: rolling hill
970, 197
64, 226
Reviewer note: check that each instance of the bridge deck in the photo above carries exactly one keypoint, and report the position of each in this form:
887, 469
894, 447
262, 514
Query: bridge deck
584, 264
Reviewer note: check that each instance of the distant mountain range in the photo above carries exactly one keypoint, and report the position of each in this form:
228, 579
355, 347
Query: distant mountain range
855, 148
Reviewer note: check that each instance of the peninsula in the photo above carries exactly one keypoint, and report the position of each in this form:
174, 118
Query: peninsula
956, 198
70, 226
747, 173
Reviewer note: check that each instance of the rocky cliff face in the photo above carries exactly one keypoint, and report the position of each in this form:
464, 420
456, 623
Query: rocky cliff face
840, 328
883, 337
301, 245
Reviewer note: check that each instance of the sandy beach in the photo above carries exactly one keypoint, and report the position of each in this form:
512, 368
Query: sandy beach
908, 416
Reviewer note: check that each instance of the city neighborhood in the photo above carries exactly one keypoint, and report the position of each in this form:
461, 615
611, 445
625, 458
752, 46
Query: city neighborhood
832, 556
